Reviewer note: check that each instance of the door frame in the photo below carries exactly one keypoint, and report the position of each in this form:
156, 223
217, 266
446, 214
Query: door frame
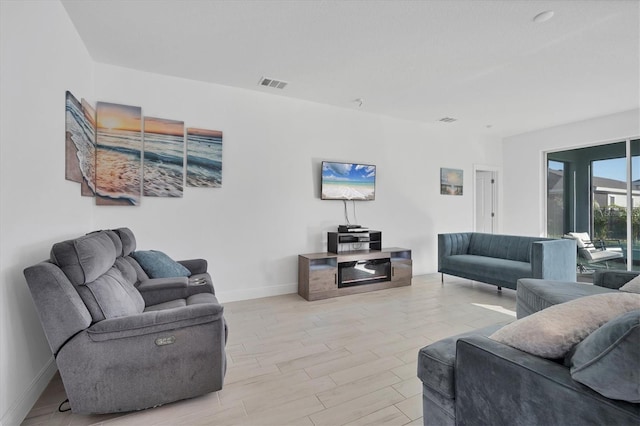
498, 194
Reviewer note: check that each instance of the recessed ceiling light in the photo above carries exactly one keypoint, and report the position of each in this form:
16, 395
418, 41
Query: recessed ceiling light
543, 16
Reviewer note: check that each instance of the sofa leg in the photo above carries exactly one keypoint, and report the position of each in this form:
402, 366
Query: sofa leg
442, 278
499, 288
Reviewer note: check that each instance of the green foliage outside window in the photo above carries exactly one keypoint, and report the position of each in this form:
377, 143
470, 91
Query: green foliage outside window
611, 223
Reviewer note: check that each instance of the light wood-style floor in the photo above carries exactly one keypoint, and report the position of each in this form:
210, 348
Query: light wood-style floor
345, 361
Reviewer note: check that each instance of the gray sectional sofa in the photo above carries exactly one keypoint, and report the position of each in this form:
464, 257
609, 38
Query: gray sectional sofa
124, 340
503, 259
470, 379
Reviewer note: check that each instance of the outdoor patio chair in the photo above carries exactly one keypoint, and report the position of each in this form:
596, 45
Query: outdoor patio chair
593, 253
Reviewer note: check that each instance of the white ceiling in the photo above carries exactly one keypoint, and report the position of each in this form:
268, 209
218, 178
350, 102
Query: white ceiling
482, 62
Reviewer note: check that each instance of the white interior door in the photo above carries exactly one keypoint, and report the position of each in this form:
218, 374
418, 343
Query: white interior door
485, 195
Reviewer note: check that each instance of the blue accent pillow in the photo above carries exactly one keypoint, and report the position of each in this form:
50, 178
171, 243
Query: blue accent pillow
158, 265
608, 361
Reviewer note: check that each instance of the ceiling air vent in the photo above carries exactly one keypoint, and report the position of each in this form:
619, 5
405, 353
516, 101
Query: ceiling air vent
270, 82
448, 120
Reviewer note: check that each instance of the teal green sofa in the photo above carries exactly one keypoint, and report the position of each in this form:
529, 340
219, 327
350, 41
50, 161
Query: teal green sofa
503, 259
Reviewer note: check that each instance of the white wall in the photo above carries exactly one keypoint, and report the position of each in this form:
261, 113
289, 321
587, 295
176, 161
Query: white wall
42, 57
523, 164
250, 230
268, 209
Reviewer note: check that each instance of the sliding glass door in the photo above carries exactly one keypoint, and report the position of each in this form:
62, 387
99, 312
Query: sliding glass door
596, 190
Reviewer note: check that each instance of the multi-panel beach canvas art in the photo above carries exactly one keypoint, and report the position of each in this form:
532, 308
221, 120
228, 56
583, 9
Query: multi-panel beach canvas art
118, 157
163, 157
204, 158
119, 154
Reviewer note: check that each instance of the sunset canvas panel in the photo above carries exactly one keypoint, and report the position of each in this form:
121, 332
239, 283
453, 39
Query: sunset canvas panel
119, 154
88, 152
204, 158
163, 157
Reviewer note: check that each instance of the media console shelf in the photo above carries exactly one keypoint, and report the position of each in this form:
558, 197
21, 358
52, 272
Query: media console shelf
339, 242
325, 275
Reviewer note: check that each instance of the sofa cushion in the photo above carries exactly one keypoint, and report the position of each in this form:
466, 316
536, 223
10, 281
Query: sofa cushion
436, 362
128, 240
85, 258
552, 332
491, 268
534, 295
632, 286
509, 247
608, 360
111, 296
158, 265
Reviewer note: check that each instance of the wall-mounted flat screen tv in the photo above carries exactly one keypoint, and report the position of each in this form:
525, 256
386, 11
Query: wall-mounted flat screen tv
348, 181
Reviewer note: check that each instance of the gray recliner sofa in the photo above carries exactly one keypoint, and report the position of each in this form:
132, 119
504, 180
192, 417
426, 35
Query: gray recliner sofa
470, 379
123, 341
503, 259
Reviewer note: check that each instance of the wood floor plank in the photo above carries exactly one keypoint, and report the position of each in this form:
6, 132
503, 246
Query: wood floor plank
365, 370
340, 364
411, 407
388, 416
357, 388
357, 408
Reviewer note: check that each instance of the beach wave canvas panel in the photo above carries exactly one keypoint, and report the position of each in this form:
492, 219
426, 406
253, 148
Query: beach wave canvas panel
73, 138
119, 154
163, 157
204, 158
80, 153
88, 156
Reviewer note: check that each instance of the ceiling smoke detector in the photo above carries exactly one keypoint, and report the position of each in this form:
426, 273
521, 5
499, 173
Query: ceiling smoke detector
448, 119
270, 82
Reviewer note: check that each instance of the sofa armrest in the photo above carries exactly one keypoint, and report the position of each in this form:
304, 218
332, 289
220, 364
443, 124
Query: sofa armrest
196, 266
452, 244
153, 284
554, 260
613, 279
498, 384
154, 322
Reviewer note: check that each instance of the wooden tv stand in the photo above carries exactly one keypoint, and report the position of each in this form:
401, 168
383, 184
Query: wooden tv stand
318, 272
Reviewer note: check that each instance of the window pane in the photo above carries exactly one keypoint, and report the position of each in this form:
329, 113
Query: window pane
635, 205
555, 198
609, 185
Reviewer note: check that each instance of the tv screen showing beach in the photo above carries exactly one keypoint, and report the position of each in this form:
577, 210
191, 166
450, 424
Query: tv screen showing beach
348, 181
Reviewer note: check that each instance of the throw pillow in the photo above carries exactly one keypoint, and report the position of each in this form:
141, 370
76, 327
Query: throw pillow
608, 360
632, 286
158, 265
552, 332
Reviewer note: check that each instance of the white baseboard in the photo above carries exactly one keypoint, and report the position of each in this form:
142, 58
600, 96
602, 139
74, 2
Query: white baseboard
23, 404
256, 292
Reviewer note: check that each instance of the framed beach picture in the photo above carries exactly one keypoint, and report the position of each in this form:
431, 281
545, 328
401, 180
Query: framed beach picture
451, 181
204, 158
118, 154
163, 157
